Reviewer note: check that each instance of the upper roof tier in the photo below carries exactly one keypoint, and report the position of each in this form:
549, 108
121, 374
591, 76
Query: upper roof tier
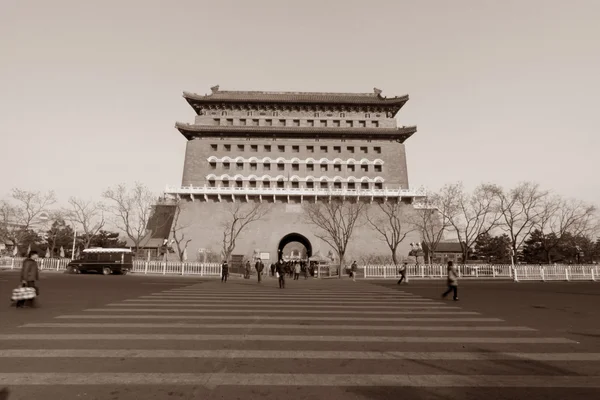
224, 97
191, 131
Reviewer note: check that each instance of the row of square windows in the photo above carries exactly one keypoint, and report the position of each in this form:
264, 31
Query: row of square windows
316, 115
296, 148
296, 167
296, 185
296, 122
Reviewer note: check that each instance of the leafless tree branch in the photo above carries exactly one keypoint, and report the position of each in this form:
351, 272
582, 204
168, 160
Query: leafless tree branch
335, 221
131, 210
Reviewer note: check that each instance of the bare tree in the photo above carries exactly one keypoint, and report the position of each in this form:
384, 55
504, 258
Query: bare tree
392, 224
88, 215
131, 210
177, 230
17, 219
240, 215
560, 217
520, 210
431, 223
470, 215
335, 220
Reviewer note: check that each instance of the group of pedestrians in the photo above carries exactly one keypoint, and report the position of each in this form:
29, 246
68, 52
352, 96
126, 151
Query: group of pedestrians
278, 269
452, 280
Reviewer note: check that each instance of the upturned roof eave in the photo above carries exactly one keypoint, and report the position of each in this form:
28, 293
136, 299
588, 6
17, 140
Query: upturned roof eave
190, 131
193, 98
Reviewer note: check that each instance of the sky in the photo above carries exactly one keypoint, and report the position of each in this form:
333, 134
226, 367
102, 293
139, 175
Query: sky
500, 91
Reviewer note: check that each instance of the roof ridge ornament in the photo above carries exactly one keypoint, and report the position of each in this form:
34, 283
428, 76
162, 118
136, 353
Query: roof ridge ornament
214, 89
377, 91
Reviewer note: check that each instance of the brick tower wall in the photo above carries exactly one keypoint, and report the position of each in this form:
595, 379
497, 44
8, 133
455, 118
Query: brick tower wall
394, 169
203, 221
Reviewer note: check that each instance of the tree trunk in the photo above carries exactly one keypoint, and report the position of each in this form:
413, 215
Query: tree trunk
340, 267
394, 258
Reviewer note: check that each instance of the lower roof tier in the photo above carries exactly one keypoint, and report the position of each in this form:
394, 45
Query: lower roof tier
206, 191
192, 131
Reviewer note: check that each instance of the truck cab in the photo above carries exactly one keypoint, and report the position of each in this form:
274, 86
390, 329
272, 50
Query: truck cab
103, 260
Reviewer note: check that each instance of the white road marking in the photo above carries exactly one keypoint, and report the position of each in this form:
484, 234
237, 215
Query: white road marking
304, 380
281, 301
295, 298
284, 318
303, 354
285, 326
281, 306
277, 311
287, 338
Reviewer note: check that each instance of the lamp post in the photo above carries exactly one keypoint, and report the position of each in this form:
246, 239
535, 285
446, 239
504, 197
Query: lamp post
74, 239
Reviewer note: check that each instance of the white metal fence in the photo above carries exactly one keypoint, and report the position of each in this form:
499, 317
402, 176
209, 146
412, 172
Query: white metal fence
56, 264
139, 266
516, 273
176, 267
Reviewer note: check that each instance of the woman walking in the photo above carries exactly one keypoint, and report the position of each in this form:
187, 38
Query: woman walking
452, 281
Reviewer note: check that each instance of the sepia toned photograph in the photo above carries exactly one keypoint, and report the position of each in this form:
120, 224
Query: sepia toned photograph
275, 200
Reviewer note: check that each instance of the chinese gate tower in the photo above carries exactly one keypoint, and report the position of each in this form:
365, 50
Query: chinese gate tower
285, 148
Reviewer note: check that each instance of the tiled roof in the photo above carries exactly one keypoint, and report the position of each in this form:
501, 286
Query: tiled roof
191, 131
294, 97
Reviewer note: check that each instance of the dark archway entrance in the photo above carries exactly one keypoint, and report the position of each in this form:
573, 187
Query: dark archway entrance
294, 238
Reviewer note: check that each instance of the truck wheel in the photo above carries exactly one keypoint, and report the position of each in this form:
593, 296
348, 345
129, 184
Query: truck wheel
106, 271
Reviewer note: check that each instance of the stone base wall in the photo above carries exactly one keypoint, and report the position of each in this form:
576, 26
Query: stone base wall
202, 222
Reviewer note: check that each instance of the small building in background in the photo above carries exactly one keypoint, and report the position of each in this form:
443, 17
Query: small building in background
444, 252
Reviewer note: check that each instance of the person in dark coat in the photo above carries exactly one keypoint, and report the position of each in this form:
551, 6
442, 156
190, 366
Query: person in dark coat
259, 266
403, 273
30, 274
247, 271
452, 281
281, 273
224, 271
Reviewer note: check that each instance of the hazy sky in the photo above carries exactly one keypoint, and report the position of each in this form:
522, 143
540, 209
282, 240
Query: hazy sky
501, 91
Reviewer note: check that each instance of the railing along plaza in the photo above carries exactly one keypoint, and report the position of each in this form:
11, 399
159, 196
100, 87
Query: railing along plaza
517, 273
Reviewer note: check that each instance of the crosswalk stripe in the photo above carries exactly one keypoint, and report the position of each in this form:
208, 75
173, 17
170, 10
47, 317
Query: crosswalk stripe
289, 338
284, 318
280, 306
303, 354
279, 293
276, 311
299, 298
285, 326
279, 301
304, 380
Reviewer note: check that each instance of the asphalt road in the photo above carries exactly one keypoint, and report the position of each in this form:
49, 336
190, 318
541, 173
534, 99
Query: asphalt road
154, 337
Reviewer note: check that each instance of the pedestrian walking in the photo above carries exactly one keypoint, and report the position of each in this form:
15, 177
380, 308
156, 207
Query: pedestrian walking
280, 272
247, 270
30, 274
354, 270
296, 271
452, 281
402, 272
305, 270
224, 271
259, 266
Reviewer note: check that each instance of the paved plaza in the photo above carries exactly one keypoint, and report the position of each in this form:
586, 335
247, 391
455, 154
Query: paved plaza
141, 337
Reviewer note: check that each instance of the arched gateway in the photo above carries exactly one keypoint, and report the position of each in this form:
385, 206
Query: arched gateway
291, 238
